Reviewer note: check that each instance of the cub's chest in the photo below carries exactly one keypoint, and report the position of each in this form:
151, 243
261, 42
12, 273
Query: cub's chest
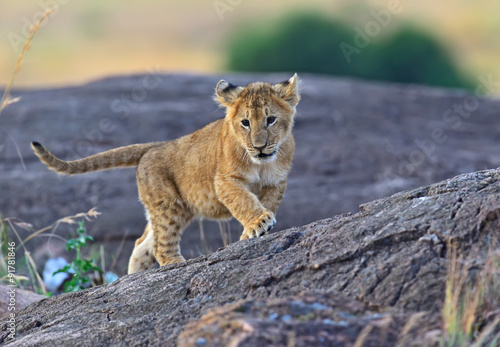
265, 175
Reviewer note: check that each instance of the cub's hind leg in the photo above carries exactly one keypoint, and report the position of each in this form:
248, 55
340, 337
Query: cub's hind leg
142, 257
168, 214
168, 224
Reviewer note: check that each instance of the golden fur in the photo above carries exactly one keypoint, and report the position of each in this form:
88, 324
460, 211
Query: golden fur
234, 167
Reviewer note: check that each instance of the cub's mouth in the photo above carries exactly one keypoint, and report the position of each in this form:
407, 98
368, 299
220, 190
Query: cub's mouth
264, 155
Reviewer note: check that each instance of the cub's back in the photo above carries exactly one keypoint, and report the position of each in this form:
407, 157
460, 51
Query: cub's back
187, 163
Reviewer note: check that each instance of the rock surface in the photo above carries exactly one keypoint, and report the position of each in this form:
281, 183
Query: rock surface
376, 276
356, 142
19, 297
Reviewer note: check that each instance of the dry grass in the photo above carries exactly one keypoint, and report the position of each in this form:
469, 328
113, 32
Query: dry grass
225, 232
31, 279
470, 314
5, 101
6, 98
471, 310
117, 255
205, 248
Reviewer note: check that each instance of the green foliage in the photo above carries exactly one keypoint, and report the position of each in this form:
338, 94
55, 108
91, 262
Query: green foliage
303, 43
410, 56
80, 268
312, 43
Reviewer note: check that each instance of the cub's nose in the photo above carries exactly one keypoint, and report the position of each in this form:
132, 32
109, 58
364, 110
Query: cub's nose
260, 148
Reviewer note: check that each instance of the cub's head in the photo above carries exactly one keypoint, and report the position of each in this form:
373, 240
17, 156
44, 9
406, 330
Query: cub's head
260, 115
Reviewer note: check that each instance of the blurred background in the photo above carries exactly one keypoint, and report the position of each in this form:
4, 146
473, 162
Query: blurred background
446, 43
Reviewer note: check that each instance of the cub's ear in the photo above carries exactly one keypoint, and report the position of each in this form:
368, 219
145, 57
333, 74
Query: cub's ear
289, 90
227, 93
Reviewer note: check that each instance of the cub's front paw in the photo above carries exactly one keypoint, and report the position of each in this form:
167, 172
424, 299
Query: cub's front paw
260, 226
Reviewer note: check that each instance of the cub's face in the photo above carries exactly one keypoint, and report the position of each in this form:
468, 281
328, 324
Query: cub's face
261, 115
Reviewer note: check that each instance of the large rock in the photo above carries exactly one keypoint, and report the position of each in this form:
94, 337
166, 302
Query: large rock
356, 142
376, 276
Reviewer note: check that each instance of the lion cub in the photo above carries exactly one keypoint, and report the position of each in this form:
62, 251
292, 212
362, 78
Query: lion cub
234, 167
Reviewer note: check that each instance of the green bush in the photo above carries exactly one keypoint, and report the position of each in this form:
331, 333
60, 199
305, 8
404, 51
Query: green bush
410, 56
303, 43
311, 43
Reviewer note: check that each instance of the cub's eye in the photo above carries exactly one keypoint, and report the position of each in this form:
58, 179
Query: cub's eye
245, 122
271, 120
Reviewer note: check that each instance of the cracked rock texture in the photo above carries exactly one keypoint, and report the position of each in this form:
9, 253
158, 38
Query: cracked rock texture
356, 142
376, 276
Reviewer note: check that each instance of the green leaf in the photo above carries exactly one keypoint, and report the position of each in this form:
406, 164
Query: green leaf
72, 244
82, 240
81, 228
78, 263
65, 269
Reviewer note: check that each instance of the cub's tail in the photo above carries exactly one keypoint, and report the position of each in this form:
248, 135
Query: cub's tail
118, 157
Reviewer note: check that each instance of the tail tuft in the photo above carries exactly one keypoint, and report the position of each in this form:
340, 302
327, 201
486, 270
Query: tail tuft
37, 146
